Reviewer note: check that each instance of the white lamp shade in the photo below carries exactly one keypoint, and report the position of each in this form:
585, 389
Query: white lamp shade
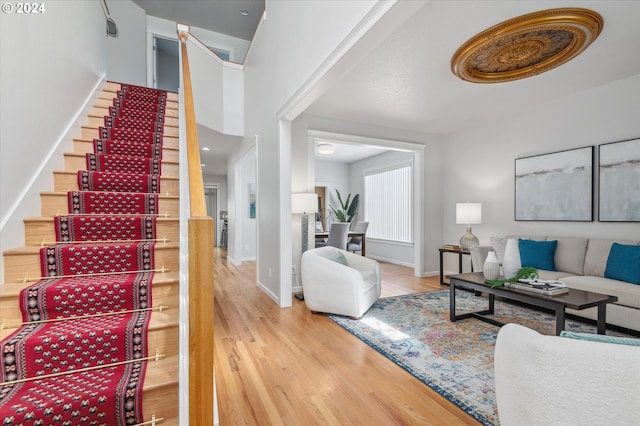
468, 213
304, 203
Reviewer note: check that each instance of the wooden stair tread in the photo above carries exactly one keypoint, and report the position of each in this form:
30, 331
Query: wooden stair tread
88, 126
88, 140
64, 194
82, 155
70, 172
92, 115
157, 373
46, 219
36, 249
109, 96
159, 279
161, 385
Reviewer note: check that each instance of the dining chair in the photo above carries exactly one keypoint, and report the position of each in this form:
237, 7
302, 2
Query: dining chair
338, 235
355, 244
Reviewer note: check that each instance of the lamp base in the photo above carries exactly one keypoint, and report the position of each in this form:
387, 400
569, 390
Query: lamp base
469, 240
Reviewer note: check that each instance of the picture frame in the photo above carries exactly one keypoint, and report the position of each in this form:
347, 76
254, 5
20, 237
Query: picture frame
619, 181
555, 187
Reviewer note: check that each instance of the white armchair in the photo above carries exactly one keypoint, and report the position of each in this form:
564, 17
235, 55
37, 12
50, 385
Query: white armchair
551, 380
332, 287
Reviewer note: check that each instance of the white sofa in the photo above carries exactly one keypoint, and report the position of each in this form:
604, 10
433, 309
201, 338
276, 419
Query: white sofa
550, 380
343, 289
580, 263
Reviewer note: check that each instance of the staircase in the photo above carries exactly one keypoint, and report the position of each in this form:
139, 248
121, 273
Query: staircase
75, 221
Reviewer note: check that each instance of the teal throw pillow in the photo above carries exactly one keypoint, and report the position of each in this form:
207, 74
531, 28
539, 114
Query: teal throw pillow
538, 254
338, 257
601, 338
623, 263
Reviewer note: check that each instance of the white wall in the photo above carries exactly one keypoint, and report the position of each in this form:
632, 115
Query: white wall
288, 47
126, 53
236, 47
54, 61
479, 163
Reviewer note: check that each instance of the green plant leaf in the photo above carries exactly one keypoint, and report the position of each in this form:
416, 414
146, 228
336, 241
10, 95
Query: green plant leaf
348, 208
523, 273
353, 208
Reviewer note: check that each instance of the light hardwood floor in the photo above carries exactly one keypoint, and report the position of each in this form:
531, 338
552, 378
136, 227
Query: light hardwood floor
291, 367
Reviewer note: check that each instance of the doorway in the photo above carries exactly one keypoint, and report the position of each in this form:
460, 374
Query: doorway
321, 216
166, 64
211, 201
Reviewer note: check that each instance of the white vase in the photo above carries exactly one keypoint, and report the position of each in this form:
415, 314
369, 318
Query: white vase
491, 267
511, 262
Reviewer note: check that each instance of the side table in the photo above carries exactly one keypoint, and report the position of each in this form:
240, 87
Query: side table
455, 250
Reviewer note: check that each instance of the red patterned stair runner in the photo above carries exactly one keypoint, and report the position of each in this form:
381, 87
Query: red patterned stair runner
110, 230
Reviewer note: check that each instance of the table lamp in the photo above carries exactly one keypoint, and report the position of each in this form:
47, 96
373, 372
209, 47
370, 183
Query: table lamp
468, 214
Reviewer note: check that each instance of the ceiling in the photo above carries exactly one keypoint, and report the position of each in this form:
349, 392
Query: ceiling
348, 153
222, 16
406, 82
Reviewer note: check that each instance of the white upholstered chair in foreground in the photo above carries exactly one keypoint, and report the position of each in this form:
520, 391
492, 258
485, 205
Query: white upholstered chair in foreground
338, 282
551, 380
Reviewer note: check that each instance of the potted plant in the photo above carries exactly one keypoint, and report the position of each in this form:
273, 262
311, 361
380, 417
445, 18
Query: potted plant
348, 208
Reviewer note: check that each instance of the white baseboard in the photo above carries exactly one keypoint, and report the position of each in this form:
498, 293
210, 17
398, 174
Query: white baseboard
394, 261
269, 293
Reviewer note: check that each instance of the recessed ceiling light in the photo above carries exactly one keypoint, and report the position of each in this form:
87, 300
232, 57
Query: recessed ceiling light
206, 148
203, 165
244, 12
325, 149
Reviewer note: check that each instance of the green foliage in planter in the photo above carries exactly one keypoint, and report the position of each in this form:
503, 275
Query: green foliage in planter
348, 208
526, 273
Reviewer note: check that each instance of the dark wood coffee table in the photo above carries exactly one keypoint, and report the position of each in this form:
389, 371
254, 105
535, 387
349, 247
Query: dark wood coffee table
575, 299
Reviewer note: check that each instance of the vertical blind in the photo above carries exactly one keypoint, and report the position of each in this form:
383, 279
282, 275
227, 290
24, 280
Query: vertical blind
388, 204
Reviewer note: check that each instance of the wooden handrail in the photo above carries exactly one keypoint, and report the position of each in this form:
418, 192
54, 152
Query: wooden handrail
196, 186
200, 255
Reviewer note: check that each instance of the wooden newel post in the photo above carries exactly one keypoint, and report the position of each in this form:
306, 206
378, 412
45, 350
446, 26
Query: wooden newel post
201, 314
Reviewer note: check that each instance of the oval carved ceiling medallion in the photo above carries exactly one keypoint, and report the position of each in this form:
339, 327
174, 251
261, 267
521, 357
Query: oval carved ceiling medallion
527, 45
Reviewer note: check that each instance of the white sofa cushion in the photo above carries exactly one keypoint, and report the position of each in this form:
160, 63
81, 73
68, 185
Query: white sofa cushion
628, 294
570, 254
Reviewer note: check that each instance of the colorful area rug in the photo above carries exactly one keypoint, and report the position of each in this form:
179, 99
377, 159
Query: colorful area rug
454, 359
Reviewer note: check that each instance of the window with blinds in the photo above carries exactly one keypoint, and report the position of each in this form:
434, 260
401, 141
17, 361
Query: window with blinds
388, 205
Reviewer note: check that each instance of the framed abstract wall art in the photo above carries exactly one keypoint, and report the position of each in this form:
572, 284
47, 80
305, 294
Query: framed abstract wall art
555, 187
619, 182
